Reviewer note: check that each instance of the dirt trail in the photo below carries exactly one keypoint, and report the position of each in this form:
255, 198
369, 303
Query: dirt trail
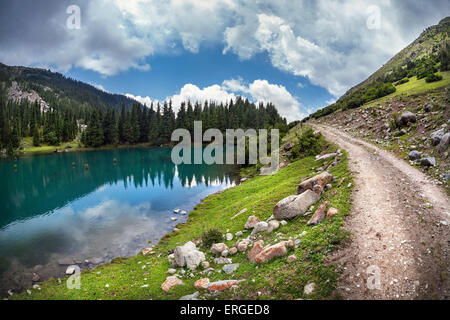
399, 224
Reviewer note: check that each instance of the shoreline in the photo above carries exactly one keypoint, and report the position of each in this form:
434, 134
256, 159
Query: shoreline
140, 276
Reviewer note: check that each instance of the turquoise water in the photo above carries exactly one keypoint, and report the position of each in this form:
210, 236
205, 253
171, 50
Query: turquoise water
53, 208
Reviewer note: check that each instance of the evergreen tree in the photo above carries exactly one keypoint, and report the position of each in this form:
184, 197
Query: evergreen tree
36, 139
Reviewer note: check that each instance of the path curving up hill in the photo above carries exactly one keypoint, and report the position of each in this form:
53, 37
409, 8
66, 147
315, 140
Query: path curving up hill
399, 224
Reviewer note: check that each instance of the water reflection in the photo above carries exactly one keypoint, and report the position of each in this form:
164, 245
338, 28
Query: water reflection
53, 208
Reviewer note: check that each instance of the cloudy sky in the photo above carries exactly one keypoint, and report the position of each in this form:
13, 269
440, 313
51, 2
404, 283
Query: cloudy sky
299, 54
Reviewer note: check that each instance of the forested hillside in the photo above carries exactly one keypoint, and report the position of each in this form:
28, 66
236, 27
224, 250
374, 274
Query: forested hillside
78, 113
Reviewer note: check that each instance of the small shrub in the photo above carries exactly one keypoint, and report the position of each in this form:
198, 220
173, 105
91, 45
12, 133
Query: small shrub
210, 237
405, 80
433, 78
308, 144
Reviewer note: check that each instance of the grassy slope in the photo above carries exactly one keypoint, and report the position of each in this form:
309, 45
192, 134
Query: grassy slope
275, 280
414, 87
431, 38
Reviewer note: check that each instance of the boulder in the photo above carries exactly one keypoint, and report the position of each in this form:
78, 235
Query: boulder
202, 284
251, 222
233, 251
331, 212
222, 260
322, 179
260, 227
319, 215
293, 206
443, 145
257, 248
222, 285
437, 136
406, 117
170, 282
225, 253
194, 258
273, 225
242, 245
230, 268
318, 189
229, 236
270, 252
415, 155
428, 162
292, 258
188, 252
205, 264
217, 248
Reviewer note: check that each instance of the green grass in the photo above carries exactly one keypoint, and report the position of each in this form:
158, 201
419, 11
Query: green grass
414, 87
276, 279
30, 150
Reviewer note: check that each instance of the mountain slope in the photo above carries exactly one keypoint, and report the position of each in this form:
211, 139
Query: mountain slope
422, 59
429, 42
52, 86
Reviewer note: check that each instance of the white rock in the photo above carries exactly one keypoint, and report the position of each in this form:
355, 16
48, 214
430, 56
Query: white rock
260, 227
194, 258
309, 288
273, 225
217, 248
171, 271
70, 269
251, 222
229, 236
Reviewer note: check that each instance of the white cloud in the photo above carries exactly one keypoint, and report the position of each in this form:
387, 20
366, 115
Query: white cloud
326, 41
287, 105
191, 92
143, 100
263, 91
98, 86
257, 91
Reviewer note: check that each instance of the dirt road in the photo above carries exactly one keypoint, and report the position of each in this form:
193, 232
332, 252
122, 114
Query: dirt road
400, 228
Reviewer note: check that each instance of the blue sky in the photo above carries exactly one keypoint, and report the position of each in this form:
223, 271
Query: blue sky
153, 50
168, 74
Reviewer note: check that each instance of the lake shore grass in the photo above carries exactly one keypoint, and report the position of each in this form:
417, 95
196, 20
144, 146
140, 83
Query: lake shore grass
140, 277
72, 146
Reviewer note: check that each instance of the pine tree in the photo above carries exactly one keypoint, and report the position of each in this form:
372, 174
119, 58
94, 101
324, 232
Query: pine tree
36, 139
